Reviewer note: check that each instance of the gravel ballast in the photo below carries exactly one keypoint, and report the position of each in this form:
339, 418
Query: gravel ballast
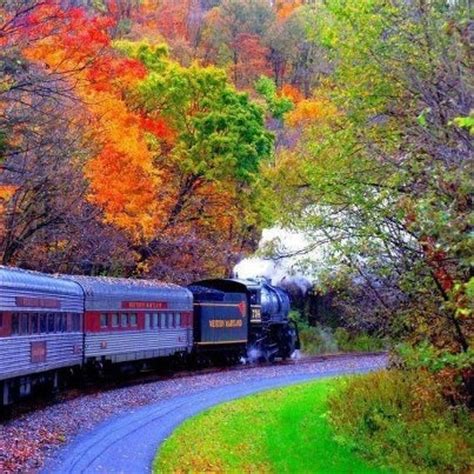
26, 443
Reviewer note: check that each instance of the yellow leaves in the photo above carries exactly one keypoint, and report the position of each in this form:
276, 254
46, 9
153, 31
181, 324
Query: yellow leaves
312, 111
6, 193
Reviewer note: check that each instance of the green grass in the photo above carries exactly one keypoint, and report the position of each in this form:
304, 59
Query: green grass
280, 431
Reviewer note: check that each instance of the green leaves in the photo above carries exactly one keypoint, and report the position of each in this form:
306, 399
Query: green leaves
386, 177
465, 122
221, 134
277, 106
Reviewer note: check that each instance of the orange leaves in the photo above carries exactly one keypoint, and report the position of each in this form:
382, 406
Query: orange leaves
6, 192
286, 7
311, 111
125, 190
121, 176
292, 93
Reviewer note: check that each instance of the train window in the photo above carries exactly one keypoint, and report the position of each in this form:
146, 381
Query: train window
103, 320
162, 320
73, 323
148, 321
34, 323
42, 323
15, 323
62, 322
24, 324
177, 320
115, 320
76, 322
133, 319
50, 322
124, 320
156, 320
169, 323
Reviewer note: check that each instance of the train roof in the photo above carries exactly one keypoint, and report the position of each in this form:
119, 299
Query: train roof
231, 284
100, 285
28, 280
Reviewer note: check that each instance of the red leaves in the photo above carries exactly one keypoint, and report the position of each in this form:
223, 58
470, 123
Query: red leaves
158, 127
436, 259
111, 73
251, 59
71, 28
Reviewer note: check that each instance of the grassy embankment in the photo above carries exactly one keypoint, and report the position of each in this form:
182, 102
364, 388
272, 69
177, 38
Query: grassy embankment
283, 430
390, 421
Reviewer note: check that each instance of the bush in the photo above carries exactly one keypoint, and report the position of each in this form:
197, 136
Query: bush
400, 419
358, 342
317, 340
321, 339
453, 371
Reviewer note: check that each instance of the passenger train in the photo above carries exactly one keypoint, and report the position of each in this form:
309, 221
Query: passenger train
56, 327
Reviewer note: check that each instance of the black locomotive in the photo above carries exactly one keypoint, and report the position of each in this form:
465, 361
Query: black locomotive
263, 331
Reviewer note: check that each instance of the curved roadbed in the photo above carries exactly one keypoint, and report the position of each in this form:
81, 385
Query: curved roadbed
127, 443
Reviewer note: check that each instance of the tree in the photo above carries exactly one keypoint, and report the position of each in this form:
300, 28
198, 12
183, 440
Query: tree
386, 178
295, 58
213, 164
233, 35
41, 136
277, 106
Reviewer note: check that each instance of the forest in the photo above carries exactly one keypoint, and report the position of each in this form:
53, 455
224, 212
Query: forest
157, 138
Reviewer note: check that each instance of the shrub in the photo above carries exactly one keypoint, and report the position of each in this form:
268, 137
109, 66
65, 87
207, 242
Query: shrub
358, 342
321, 339
317, 340
453, 371
401, 419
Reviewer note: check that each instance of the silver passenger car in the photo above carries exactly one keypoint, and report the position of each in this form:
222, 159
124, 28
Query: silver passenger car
133, 320
40, 329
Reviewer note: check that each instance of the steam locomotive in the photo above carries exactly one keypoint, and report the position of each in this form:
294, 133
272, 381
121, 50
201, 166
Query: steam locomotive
56, 327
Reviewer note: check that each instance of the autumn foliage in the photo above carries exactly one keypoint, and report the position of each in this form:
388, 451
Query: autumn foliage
158, 190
